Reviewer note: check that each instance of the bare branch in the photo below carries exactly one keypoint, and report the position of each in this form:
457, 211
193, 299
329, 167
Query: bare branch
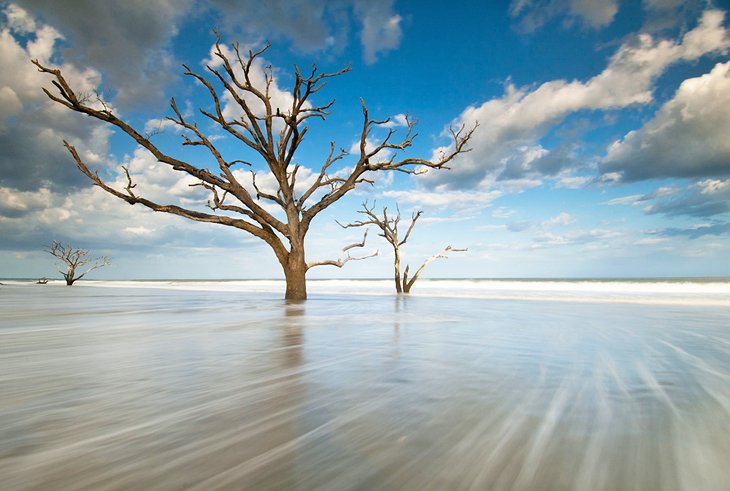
408, 165
357, 244
322, 180
218, 201
263, 232
129, 186
227, 182
442, 254
260, 194
347, 257
414, 218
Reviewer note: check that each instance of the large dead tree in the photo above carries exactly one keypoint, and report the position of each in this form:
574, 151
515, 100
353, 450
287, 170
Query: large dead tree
388, 226
274, 134
76, 261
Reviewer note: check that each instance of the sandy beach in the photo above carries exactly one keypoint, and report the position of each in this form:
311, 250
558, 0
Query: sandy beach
144, 387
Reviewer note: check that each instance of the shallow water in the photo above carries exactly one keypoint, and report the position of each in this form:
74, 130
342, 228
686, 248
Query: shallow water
129, 388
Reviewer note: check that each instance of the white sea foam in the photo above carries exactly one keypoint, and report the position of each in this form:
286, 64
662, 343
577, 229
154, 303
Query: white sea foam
708, 292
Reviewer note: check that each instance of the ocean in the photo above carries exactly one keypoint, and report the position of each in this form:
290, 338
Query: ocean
712, 291
464, 384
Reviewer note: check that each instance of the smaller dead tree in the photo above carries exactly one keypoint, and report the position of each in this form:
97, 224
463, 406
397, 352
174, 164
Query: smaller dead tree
389, 230
77, 261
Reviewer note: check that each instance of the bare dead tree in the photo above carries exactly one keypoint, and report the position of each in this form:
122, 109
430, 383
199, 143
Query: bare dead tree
274, 134
388, 226
77, 261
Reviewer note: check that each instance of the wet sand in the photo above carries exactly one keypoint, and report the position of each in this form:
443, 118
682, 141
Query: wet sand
124, 388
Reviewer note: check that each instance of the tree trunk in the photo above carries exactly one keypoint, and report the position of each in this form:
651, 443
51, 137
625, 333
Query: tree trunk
295, 271
69, 277
408, 282
396, 264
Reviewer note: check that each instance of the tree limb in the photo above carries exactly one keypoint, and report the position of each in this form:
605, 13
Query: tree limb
409, 165
408, 283
347, 257
265, 234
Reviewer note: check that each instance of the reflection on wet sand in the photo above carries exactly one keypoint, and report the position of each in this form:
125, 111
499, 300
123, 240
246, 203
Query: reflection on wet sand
155, 389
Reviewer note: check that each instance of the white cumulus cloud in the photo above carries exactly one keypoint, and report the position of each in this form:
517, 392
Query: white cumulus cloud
688, 137
517, 120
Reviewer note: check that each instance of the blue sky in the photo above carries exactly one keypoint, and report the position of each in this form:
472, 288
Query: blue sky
602, 147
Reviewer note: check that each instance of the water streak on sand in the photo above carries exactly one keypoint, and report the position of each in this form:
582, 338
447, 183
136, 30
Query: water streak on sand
189, 387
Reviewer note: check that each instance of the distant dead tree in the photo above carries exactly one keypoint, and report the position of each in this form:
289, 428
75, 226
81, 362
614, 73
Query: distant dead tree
274, 134
388, 226
77, 261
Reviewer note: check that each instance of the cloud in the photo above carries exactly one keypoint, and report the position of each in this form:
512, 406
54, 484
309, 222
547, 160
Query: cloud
511, 126
546, 235
128, 41
594, 13
558, 231
559, 220
575, 237
131, 41
139, 231
517, 165
651, 241
666, 14
399, 120
544, 227
503, 212
696, 231
314, 25
519, 226
706, 198
16, 204
32, 126
381, 27
18, 19
92, 218
304, 22
158, 125
574, 182
624, 200
130, 44
661, 4
533, 14
688, 137
38, 181
455, 200
551, 162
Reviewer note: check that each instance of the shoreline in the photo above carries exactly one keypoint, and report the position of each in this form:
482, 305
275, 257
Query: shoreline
683, 292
